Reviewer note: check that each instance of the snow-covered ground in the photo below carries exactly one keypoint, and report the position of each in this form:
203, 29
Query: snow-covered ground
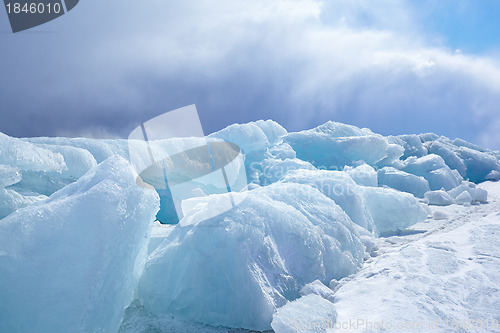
441, 276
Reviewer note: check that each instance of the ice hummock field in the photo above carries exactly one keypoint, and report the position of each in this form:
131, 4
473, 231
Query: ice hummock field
339, 227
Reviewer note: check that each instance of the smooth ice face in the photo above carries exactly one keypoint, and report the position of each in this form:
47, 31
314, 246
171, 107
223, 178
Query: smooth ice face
445, 150
471, 161
326, 152
72, 263
77, 162
339, 187
480, 165
434, 169
44, 183
403, 181
235, 269
392, 210
310, 313
334, 145
462, 143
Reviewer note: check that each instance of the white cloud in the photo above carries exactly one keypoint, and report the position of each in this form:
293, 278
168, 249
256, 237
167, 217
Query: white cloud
300, 62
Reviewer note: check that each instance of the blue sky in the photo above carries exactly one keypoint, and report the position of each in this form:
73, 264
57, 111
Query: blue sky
393, 66
471, 26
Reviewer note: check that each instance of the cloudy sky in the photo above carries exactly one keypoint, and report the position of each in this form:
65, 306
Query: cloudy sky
394, 66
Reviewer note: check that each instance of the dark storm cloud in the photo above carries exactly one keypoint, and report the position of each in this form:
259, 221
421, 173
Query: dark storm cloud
106, 66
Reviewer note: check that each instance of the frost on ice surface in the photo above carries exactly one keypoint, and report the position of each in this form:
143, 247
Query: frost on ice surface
71, 263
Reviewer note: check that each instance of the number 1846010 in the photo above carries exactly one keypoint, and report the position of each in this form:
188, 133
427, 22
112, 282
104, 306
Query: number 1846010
33, 8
